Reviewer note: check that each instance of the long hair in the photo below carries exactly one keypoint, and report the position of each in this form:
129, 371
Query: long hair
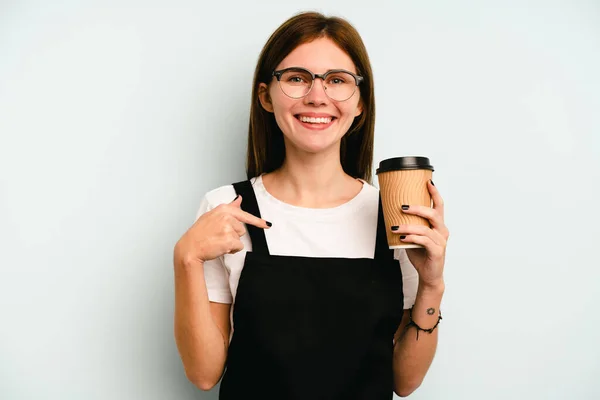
266, 148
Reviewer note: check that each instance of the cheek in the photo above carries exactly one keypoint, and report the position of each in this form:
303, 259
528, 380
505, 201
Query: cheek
281, 112
280, 115
282, 107
350, 111
281, 121
350, 107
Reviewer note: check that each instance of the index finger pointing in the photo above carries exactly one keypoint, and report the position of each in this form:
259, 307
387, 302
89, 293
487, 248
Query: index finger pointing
248, 218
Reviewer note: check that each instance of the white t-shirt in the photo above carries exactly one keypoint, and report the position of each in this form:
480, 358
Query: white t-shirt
346, 231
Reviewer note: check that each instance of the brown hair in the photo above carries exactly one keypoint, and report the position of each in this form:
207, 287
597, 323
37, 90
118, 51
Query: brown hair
266, 149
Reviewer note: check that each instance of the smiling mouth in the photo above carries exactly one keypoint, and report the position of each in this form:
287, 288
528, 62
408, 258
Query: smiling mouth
315, 120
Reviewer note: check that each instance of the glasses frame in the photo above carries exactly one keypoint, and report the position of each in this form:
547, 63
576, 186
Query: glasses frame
357, 80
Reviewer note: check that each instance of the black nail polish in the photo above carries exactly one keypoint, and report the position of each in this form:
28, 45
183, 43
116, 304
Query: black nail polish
431, 180
404, 207
269, 224
403, 237
395, 228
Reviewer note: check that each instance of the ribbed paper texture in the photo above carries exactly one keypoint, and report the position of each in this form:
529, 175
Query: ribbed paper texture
403, 187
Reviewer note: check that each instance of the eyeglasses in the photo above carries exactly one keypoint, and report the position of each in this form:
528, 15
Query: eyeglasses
296, 82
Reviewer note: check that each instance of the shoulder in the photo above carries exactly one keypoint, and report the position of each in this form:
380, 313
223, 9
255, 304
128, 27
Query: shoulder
370, 188
215, 197
370, 193
220, 195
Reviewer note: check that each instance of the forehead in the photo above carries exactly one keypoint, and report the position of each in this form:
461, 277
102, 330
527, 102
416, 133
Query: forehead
318, 56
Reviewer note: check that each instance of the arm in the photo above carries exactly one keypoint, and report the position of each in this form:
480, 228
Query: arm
201, 327
414, 349
412, 357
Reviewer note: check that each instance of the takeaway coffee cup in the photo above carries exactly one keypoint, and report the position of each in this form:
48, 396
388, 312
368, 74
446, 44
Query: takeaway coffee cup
403, 180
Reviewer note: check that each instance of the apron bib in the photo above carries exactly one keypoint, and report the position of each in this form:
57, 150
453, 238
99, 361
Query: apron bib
307, 328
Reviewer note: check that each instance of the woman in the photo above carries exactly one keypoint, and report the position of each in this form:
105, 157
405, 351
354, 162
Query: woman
285, 281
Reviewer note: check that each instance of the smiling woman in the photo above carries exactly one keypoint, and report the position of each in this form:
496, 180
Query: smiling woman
299, 104
305, 43
313, 305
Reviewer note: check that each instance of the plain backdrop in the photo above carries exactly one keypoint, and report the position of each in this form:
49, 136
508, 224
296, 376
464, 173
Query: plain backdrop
117, 116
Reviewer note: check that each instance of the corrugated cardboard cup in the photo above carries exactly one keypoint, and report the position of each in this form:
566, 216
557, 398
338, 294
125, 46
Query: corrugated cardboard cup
403, 180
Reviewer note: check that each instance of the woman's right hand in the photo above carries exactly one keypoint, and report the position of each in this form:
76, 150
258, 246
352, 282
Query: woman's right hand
215, 233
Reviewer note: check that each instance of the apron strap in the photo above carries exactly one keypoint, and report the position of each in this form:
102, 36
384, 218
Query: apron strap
382, 250
250, 205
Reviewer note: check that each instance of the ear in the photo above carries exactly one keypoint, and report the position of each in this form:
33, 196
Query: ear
265, 99
359, 108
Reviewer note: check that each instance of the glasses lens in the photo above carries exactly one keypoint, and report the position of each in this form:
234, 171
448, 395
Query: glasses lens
295, 83
340, 86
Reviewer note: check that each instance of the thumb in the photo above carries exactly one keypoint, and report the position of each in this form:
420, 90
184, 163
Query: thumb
237, 202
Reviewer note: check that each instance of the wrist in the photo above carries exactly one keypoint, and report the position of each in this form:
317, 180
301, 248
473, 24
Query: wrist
436, 287
424, 324
189, 264
183, 260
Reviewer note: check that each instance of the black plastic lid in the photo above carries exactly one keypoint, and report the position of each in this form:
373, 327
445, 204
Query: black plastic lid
402, 163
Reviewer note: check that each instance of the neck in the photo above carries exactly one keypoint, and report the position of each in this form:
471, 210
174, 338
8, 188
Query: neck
312, 180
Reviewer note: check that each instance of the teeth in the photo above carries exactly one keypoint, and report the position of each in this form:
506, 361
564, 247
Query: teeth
320, 120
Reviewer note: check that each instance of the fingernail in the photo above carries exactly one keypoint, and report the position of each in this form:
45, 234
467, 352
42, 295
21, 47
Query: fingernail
432, 182
402, 237
236, 197
269, 224
395, 228
404, 207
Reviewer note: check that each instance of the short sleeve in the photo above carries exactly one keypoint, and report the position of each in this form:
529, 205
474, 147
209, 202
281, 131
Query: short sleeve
410, 278
215, 273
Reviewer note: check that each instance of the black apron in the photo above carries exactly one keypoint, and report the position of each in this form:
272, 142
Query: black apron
309, 328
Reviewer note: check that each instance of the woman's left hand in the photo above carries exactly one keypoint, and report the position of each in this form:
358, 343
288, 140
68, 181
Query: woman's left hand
428, 261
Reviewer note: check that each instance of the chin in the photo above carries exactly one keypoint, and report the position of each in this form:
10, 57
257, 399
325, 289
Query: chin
316, 146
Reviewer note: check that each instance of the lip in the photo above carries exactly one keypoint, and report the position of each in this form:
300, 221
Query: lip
315, 127
315, 115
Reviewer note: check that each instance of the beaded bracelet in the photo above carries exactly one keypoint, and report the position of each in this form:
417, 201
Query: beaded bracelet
413, 323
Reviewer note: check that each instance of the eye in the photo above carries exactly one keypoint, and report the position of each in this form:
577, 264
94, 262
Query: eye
295, 79
337, 80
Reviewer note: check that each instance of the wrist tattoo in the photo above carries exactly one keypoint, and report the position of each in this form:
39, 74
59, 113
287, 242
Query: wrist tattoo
412, 323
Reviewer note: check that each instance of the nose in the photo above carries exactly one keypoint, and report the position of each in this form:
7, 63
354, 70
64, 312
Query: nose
317, 95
